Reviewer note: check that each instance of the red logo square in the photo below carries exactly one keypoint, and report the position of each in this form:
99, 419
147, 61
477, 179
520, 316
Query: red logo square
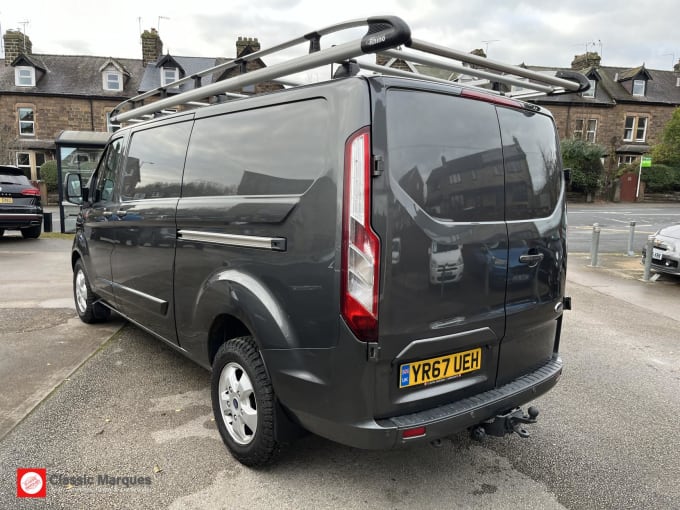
31, 482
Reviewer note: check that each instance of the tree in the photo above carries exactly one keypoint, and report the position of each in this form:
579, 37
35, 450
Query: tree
585, 160
48, 173
668, 151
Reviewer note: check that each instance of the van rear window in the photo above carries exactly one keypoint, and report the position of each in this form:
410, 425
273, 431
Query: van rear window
276, 150
533, 170
445, 152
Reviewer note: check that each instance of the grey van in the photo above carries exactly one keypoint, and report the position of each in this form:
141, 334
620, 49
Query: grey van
257, 238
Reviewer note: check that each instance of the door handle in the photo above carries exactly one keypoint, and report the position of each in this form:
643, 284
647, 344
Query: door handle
531, 259
107, 214
121, 213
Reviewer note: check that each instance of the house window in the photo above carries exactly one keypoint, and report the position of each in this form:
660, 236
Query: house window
635, 129
578, 129
592, 130
26, 122
591, 91
168, 75
24, 162
24, 76
113, 80
590, 127
639, 87
626, 160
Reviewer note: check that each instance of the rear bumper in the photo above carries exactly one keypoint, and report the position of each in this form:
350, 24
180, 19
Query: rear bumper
20, 220
441, 421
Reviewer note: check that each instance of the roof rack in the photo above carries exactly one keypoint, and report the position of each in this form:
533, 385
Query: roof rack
386, 34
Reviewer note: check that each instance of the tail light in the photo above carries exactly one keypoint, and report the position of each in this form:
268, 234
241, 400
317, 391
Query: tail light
31, 192
360, 245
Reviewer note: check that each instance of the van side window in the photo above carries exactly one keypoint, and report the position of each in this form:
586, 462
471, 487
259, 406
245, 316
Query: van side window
277, 150
106, 179
452, 164
532, 164
155, 161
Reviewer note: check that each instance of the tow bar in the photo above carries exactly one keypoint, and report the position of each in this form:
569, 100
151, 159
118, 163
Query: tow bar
505, 423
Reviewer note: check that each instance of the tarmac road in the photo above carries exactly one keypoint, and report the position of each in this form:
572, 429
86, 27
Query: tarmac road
606, 436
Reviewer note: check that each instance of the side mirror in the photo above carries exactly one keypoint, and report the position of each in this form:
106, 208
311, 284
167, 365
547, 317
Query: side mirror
74, 189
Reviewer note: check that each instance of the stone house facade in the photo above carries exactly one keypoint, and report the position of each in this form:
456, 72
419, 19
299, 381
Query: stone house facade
625, 110
42, 95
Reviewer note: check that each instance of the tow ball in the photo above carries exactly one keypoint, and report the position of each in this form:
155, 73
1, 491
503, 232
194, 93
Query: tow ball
505, 423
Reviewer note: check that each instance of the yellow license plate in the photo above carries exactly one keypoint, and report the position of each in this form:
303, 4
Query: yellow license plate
439, 369
6, 200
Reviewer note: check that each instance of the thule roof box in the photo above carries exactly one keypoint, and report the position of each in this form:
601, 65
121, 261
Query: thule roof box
386, 35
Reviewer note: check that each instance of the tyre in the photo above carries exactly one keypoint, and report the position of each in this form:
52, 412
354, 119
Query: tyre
243, 402
87, 307
31, 232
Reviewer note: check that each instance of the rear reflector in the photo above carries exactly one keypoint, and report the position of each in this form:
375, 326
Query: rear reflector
34, 192
360, 245
416, 432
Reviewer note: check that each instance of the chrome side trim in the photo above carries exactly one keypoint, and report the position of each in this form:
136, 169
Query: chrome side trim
266, 243
160, 303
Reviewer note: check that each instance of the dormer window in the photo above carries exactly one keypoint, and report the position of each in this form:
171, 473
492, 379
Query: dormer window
113, 80
591, 91
169, 75
639, 87
24, 76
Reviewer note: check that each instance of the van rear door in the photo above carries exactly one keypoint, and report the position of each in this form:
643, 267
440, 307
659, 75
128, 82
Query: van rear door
442, 294
536, 219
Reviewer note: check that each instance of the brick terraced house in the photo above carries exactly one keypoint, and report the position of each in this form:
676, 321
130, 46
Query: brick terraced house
42, 95
625, 109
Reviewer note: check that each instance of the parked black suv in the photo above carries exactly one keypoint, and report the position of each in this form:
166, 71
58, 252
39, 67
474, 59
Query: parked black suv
258, 238
20, 207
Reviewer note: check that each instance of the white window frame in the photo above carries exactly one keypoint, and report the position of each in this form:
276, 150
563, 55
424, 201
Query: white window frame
107, 82
578, 128
626, 160
24, 76
591, 130
24, 167
164, 75
591, 91
637, 84
23, 124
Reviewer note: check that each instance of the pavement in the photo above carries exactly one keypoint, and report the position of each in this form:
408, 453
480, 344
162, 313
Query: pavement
43, 342
93, 399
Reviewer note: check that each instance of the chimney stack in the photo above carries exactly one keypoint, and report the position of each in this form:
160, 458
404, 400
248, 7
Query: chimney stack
16, 43
246, 45
585, 61
152, 46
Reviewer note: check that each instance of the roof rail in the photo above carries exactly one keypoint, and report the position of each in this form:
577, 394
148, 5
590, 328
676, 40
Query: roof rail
386, 34
383, 32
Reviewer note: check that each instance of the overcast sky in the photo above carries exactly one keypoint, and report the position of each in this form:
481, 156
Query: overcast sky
535, 32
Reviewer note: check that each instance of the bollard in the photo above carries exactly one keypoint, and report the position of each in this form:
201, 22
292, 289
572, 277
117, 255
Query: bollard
631, 252
47, 221
648, 257
595, 244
